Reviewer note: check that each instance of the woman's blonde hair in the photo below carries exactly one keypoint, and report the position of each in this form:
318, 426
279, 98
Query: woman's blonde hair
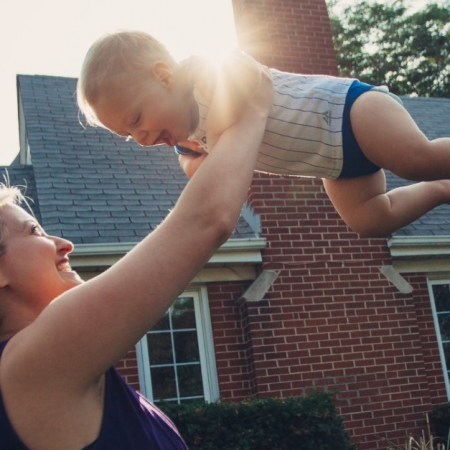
9, 195
112, 56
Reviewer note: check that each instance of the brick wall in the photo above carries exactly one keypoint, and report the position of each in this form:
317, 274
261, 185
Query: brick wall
289, 35
331, 321
128, 368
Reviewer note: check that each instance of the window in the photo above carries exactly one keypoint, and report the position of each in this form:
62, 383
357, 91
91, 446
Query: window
441, 313
176, 357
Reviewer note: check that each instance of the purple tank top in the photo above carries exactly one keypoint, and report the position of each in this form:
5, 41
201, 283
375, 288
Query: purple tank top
130, 422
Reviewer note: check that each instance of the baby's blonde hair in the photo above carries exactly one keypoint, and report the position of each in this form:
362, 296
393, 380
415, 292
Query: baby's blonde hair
112, 56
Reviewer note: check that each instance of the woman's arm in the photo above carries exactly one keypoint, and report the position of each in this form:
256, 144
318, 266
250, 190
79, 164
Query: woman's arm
89, 328
52, 372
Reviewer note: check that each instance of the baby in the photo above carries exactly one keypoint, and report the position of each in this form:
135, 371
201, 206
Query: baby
337, 129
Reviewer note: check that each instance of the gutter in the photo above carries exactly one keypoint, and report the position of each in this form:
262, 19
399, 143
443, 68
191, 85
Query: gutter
237, 259
420, 253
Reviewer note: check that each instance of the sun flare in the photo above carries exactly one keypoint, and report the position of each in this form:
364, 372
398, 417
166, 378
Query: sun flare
197, 27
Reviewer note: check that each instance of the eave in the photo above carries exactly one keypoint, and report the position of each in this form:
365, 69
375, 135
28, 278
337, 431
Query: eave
236, 260
411, 254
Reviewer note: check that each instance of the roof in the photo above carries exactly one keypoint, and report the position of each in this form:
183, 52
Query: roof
91, 186
432, 115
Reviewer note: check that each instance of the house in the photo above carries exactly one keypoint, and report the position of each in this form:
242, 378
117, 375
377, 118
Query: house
294, 301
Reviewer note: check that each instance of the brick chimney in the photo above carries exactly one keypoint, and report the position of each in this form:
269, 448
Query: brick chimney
289, 35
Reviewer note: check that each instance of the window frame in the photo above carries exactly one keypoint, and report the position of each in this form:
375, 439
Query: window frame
445, 369
205, 344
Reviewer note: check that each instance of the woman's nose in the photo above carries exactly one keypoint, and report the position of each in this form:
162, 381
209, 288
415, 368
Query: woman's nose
63, 244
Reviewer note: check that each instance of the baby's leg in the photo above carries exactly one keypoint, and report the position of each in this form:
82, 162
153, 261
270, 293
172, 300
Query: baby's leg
390, 138
366, 207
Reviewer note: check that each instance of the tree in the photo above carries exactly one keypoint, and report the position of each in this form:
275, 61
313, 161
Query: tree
383, 44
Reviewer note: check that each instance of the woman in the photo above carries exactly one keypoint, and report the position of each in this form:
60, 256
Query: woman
59, 337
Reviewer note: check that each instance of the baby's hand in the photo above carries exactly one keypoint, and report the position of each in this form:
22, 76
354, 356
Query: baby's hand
191, 146
190, 163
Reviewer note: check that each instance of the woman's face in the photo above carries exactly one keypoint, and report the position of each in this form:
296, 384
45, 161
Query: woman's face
34, 265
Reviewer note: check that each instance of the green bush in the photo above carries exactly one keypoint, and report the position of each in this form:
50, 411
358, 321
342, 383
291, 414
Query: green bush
306, 423
440, 423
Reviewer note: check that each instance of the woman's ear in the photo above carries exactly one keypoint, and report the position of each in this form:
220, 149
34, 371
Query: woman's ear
163, 73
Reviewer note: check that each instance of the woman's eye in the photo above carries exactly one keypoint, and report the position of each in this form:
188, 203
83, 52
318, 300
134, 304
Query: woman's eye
136, 121
36, 229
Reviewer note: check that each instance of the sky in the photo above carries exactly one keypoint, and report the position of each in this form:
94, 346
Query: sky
51, 37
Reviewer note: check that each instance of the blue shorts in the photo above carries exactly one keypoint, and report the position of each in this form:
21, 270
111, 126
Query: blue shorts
355, 163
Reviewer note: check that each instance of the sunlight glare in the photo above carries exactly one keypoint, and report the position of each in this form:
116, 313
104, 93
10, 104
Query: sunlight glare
197, 27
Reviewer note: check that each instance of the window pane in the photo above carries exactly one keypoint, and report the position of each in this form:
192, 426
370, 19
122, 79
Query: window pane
186, 346
163, 383
183, 313
444, 326
190, 380
441, 297
171, 360
160, 348
163, 323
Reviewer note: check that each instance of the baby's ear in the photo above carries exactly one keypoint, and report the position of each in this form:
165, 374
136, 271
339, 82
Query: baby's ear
163, 73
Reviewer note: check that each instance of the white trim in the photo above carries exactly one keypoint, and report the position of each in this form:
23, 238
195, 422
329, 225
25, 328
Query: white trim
206, 347
445, 369
427, 254
426, 266
145, 380
24, 146
236, 260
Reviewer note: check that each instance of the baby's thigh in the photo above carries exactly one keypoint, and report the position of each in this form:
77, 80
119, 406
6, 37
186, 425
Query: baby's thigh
353, 198
385, 131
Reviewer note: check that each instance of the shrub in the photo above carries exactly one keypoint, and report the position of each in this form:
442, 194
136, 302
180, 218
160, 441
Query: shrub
307, 423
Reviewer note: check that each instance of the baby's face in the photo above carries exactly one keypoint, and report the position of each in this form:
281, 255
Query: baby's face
151, 111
